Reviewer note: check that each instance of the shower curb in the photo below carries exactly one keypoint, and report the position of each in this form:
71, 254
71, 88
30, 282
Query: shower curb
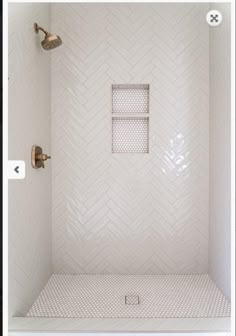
35, 324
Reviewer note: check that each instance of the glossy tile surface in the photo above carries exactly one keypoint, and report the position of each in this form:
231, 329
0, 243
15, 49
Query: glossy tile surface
130, 213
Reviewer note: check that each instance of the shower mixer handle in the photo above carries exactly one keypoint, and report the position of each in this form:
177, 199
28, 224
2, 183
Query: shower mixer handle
43, 157
38, 158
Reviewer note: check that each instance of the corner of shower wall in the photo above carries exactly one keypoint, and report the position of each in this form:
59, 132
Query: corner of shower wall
29, 124
220, 151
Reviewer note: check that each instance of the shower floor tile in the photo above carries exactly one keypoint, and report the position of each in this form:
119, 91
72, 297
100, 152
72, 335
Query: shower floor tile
103, 296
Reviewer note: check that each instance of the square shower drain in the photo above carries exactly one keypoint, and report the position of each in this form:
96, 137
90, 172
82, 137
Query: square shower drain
132, 300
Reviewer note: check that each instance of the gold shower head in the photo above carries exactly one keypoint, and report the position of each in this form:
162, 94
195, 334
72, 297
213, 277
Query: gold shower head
50, 41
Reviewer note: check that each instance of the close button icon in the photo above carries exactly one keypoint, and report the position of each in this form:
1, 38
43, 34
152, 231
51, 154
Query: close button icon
214, 18
16, 169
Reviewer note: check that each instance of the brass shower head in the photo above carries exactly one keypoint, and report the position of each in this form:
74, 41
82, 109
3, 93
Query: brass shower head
50, 41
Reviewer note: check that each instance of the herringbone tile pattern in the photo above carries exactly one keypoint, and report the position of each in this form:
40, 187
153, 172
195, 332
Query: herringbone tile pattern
130, 213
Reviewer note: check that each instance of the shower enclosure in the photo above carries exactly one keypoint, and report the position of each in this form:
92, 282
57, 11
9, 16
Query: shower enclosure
127, 227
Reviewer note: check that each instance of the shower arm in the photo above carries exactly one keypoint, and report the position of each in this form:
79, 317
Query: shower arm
37, 28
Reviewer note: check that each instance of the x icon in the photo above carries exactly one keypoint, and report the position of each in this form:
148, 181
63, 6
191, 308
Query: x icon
214, 18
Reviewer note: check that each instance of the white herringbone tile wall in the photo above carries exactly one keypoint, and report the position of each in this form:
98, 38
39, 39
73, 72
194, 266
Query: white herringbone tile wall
130, 213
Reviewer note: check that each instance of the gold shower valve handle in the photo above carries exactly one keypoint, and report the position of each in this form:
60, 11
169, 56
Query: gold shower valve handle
46, 157
38, 158
43, 157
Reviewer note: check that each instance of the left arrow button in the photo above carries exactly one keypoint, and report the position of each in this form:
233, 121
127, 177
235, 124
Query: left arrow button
16, 169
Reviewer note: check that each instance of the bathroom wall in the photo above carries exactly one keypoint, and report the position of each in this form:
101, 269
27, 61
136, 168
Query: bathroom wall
130, 213
220, 137
29, 124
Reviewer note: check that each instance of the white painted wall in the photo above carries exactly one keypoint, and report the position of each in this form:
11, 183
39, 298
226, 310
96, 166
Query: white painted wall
220, 226
124, 213
29, 124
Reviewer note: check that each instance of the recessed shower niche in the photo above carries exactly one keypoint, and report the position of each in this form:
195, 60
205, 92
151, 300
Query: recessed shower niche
128, 226
130, 118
